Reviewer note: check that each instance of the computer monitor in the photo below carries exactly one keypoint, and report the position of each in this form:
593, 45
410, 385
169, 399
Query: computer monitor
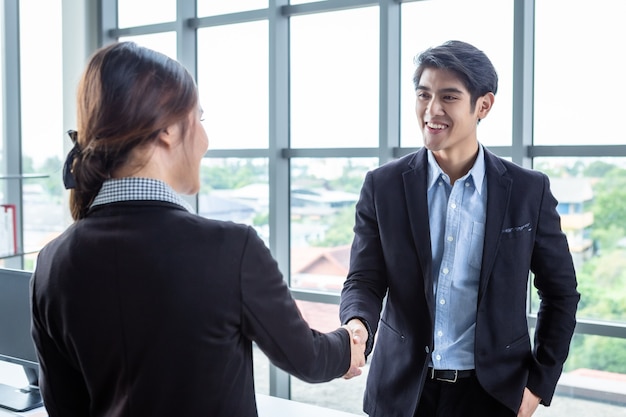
16, 344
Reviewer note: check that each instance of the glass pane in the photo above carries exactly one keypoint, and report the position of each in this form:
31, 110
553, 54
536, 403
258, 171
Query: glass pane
334, 79
338, 394
164, 42
562, 61
594, 380
42, 121
216, 7
233, 83
145, 12
323, 195
261, 371
591, 194
236, 190
2, 156
430, 23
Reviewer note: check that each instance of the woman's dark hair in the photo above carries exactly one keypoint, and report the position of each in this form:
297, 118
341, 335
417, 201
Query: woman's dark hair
469, 63
127, 95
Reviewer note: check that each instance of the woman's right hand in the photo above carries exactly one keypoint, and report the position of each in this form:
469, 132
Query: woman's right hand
358, 339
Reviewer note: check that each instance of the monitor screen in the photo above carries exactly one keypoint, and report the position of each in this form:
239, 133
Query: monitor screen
16, 343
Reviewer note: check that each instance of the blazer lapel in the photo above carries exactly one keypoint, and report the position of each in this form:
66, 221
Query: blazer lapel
417, 207
498, 196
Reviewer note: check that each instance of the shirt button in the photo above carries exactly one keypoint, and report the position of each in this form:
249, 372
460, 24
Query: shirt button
467, 184
453, 205
445, 271
442, 301
450, 238
439, 333
438, 357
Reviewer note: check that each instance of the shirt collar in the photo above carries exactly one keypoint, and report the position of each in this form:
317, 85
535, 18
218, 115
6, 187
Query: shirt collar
134, 189
477, 172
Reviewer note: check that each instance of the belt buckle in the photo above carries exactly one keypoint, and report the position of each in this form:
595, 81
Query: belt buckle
452, 381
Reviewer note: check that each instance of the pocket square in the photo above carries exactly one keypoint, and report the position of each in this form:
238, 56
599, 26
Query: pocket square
523, 228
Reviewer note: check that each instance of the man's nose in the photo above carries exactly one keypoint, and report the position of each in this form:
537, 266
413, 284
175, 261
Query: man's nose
434, 107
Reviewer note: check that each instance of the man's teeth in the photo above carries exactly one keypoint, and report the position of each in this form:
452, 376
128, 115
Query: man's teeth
436, 126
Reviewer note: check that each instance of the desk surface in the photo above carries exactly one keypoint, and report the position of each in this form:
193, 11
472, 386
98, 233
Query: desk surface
268, 407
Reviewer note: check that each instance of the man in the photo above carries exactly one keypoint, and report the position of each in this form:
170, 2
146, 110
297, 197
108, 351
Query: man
448, 235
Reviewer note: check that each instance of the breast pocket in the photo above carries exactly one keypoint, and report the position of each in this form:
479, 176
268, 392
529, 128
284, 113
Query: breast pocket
477, 241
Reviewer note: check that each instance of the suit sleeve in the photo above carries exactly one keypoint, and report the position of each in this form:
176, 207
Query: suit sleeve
62, 387
555, 280
271, 318
366, 285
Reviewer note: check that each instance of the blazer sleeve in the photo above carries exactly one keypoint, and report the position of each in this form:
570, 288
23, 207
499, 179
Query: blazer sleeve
366, 285
272, 319
555, 280
62, 389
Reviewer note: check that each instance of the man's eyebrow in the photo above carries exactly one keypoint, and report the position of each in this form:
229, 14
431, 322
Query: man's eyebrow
441, 91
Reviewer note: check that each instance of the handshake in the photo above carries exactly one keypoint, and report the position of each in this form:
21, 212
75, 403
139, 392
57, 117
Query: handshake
358, 340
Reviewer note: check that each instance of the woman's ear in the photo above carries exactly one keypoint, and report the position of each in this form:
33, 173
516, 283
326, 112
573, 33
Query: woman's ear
169, 136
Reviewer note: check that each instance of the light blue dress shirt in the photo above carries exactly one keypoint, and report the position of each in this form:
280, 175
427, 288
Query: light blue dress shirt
457, 215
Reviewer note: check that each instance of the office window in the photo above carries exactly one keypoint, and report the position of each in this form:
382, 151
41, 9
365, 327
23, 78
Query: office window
41, 121
145, 12
578, 72
217, 7
236, 189
334, 79
2, 75
324, 192
338, 394
233, 84
486, 24
261, 371
164, 42
591, 194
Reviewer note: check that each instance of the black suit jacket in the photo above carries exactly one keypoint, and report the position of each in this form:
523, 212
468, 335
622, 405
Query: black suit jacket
391, 256
145, 309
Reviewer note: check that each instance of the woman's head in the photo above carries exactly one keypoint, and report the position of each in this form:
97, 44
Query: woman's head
127, 97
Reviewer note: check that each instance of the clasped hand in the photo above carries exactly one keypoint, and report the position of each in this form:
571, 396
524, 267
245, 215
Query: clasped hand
358, 339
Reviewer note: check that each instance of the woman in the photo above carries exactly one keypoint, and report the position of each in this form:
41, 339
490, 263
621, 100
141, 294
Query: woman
142, 308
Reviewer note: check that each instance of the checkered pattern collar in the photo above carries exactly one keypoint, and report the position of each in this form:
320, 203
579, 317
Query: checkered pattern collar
133, 189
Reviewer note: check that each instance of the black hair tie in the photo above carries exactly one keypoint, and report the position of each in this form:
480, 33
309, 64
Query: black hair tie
68, 176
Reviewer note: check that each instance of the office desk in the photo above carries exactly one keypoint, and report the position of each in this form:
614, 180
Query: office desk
268, 407
279, 407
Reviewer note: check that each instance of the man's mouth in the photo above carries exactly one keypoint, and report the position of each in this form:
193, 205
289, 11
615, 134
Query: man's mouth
436, 126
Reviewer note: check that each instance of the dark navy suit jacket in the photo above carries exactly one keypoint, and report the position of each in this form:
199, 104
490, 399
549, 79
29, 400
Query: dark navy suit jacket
145, 309
391, 256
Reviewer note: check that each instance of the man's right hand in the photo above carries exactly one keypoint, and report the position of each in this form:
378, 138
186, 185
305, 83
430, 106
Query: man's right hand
358, 339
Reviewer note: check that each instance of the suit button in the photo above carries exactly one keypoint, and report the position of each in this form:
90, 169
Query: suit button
427, 349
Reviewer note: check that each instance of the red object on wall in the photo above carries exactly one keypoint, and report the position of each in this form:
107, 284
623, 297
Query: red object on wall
9, 224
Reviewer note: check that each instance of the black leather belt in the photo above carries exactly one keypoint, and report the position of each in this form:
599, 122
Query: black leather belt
447, 375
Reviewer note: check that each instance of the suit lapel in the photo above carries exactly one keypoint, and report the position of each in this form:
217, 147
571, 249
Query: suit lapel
498, 197
417, 207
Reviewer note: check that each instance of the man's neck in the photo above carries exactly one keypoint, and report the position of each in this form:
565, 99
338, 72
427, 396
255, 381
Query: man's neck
456, 164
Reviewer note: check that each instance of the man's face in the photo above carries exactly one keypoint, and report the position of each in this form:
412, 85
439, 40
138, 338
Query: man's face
444, 112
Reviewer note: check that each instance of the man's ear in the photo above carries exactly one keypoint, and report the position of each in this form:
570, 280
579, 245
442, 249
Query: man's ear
484, 105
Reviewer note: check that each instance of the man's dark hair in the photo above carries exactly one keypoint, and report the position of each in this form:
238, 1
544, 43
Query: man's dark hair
469, 63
